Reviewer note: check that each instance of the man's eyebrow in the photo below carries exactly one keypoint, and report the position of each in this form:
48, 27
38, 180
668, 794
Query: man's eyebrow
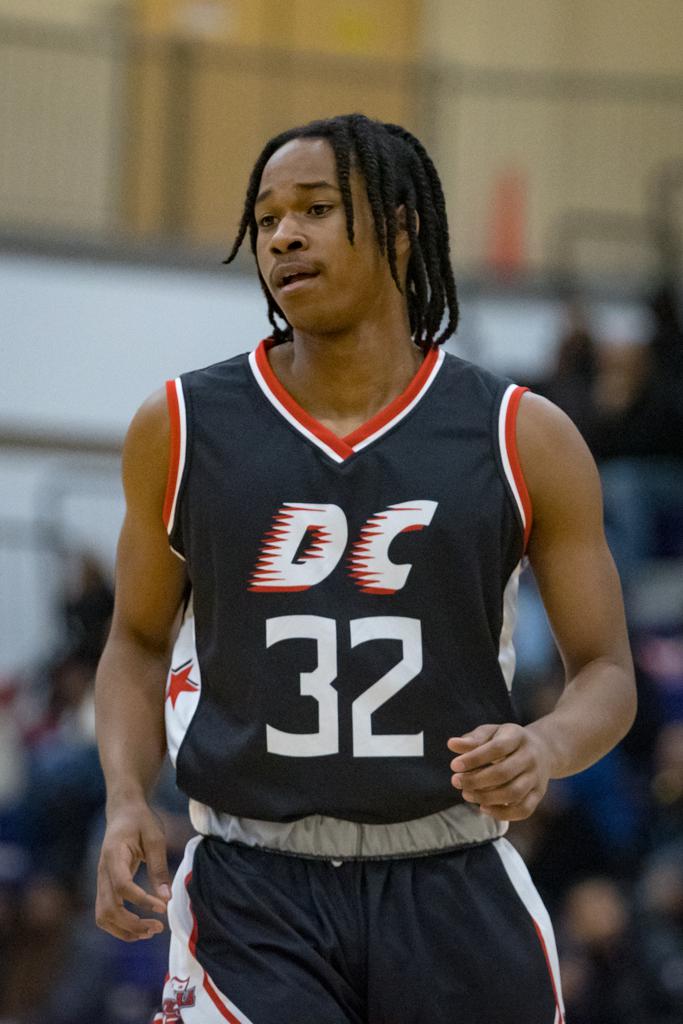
304, 185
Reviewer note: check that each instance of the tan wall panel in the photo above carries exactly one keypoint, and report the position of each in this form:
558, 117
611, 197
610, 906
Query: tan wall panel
493, 34
230, 111
383, 28
66, 12
227, 132
235, 21
588, 35
572, 155
328, 98
57, 119
484, 142
386, 28
232, 119
144, 151
626, 36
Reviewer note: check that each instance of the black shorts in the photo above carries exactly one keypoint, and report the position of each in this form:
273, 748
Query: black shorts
267, 938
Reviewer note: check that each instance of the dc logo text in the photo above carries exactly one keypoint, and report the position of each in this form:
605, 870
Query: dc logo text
284, 566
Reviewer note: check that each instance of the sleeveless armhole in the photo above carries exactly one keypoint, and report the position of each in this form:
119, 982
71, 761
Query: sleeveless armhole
512, 468
176, 461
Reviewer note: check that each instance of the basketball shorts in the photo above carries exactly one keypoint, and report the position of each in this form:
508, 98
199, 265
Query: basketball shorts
267, 938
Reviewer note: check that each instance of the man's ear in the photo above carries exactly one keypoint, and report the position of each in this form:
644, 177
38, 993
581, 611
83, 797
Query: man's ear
402, 237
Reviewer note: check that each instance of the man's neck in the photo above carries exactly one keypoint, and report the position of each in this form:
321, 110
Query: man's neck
345, 379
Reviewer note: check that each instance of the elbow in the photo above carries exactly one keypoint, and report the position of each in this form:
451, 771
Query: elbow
629, 704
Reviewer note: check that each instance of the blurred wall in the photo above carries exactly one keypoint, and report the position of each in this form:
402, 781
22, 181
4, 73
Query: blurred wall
565, 120
65, 12
202, 112
59, 118
580, 35
141, 118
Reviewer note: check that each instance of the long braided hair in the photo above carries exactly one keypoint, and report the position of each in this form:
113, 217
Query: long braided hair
397, 170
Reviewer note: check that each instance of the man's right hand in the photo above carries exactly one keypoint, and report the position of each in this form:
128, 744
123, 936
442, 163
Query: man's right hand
134, 834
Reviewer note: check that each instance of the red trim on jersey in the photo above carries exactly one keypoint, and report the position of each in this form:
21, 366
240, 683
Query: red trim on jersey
278, 590
206, 982
337, 444
174, 454
399, 403
192, 941
513, 455
550, 970
343, 446
218, 1002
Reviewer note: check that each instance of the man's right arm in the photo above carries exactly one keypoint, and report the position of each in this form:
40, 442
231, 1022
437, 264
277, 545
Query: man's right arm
130, 686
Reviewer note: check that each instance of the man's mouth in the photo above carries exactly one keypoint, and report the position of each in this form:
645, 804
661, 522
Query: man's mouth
293, 272
290, 280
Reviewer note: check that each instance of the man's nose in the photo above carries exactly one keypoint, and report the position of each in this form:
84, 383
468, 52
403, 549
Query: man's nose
287, 237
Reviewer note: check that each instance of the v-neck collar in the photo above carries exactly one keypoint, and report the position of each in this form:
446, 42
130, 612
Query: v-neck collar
340, 448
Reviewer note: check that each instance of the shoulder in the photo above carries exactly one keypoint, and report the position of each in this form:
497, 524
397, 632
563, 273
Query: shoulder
472, 383
457, 368
146, 449
559, 470
219, 374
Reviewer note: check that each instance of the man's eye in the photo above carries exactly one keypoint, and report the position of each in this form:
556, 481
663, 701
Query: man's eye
266, 221
320, 208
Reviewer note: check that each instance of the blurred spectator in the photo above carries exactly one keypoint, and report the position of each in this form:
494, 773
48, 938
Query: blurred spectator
626, 401
560, 846
88, 607
659, 659
636, 434
570, 385
595, 821
667, 338
667, 786
601, 975
49, 823
661, 925
51, 793
102, 979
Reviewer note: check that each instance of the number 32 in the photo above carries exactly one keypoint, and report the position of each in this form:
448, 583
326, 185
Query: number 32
318, 684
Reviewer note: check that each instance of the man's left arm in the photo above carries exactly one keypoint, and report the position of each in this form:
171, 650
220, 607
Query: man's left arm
505, 769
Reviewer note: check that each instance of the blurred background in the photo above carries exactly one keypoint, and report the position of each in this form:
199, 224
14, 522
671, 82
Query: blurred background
127, 132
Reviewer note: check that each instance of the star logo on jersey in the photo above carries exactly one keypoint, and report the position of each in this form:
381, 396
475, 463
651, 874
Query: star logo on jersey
180, 682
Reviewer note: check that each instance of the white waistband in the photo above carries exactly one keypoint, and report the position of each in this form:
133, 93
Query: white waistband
320, 836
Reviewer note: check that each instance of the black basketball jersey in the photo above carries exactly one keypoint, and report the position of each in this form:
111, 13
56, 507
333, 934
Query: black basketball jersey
352, 599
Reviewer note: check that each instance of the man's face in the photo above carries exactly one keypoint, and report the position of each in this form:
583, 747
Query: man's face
321, 282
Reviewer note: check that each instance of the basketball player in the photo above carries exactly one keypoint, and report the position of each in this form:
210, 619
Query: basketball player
348, 510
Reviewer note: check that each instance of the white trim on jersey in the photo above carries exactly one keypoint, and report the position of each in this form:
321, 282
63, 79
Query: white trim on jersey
273, 399
206, 1004
182, 424
507, 657
520, 878
183, 686
404, 412
502, 423
295, 422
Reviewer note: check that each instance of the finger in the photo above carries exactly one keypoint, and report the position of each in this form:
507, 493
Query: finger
493, 775
512, 812
513, 793
118, 919
118, 871
127, 889
126, 936
506, 740
154, 846
113, 917
472, 739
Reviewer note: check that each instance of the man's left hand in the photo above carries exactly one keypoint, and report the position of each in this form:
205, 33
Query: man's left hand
504, 769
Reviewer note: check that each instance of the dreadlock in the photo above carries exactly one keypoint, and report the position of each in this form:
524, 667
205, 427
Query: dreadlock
397, 170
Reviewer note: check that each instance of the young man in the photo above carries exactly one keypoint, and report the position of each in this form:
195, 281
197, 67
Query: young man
348, 510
